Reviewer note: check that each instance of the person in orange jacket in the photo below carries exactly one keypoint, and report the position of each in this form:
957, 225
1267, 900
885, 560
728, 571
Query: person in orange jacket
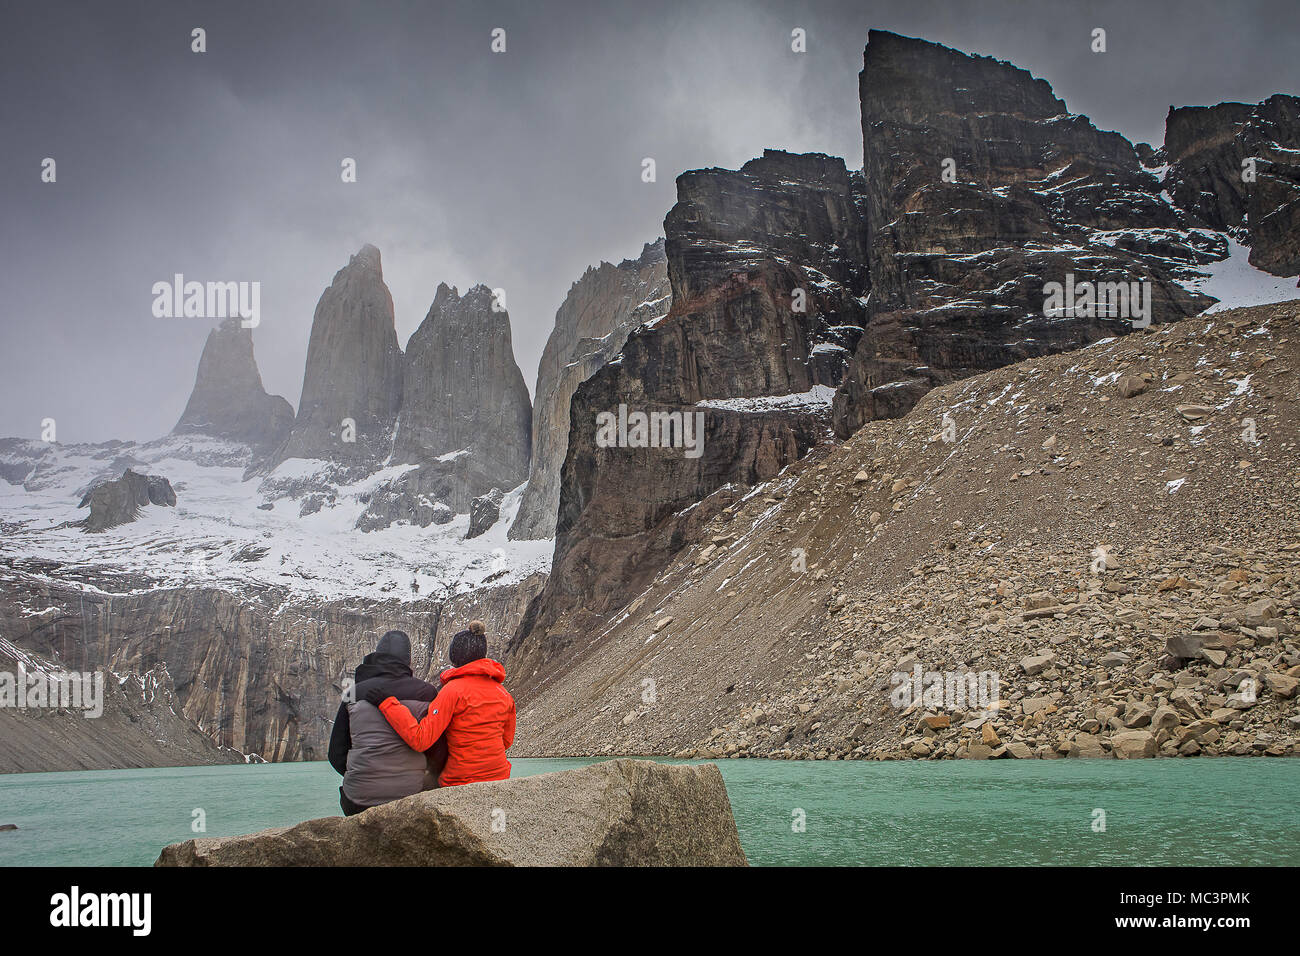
473, 709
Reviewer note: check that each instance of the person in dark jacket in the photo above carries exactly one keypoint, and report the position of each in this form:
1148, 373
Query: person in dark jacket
377, 765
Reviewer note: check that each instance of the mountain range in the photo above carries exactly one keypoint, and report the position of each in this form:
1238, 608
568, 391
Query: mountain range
800, 306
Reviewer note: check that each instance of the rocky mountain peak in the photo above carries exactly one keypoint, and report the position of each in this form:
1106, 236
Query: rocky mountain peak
443, 294
911, 70
353, 372
782, 207
980, 188
367, 257
651, 253
228, 400
466, 417
591, 326
1236, 167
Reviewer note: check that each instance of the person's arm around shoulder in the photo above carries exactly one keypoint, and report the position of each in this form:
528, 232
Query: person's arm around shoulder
423, 734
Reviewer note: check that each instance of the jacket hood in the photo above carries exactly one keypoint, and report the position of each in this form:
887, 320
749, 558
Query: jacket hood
483, 667
395, 644
383, 665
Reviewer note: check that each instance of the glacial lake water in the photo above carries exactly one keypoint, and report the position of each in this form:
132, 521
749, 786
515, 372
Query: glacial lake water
955, 812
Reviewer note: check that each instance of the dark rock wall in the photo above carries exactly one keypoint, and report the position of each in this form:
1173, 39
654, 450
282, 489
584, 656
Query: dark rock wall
958, 267
354, 369
591, 326
1206, 147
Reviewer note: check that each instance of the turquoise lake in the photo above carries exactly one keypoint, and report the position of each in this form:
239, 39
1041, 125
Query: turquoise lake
1196, 812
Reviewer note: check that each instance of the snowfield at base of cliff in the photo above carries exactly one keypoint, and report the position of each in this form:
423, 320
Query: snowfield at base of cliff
219, 535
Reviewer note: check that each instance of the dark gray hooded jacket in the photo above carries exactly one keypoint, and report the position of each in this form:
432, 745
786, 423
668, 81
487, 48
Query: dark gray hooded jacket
377, 765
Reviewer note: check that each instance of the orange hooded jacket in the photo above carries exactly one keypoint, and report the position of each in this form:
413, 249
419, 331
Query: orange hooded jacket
478, 715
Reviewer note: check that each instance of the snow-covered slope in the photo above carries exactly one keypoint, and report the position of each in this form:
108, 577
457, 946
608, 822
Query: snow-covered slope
224, 533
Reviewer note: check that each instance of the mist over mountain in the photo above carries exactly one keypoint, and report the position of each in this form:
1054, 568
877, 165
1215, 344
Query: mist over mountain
583, 94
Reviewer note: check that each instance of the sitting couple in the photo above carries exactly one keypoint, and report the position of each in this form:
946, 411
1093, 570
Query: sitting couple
396, 735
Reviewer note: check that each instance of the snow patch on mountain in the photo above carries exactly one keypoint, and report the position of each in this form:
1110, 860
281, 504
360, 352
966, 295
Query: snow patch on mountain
818, 395
1236, 283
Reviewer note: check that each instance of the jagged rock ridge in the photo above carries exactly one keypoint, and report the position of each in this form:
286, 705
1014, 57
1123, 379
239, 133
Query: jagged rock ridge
592, 324
958, 267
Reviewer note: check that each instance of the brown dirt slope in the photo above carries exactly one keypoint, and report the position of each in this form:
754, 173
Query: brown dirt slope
1069, 531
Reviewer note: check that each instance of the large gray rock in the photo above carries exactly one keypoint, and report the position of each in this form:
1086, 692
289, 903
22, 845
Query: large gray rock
401, 502
354, 369
1192, 646
229, 400
484, 512
592, 324
466, 416
616, 813
118, 502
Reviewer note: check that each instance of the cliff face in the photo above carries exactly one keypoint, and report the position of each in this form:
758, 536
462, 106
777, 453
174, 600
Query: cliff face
112, 721
1207, 146
354, 369
590, 328
980, 191
253, 671
464, 396
1032, 193
1204, 152
768, 296
229, 400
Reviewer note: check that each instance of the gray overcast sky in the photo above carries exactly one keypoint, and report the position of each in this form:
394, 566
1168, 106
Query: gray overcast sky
517, 170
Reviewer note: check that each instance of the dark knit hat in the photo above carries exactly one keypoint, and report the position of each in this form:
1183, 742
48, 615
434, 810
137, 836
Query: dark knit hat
468, 645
